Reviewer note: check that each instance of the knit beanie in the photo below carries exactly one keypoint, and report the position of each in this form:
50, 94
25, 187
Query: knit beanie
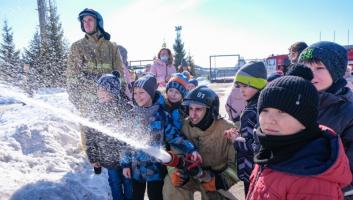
301, 71
332, 55
293, 95
111, 83
253, 74
148, 83
194, 82
180, 82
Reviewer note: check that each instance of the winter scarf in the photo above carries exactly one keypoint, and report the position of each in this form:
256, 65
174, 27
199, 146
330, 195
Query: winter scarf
275, 149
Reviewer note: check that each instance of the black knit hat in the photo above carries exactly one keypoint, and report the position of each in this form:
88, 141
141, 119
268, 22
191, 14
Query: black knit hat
301, 71
293, 95
332, 55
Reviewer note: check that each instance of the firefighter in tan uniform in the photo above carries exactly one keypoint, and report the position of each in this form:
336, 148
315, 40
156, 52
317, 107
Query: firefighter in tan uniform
205, 129
90, 57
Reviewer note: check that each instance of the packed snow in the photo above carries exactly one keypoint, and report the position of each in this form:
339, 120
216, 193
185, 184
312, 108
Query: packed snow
41, 156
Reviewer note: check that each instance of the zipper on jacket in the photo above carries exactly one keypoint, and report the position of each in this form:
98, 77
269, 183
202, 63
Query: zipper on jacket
250, 195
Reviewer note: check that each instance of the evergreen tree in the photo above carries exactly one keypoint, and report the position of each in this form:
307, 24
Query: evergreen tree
179, 52
32, 56
190, 60
32, 53
9, 57
54, 51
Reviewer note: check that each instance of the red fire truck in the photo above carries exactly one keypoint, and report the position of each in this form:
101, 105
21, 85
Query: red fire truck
281, 62
277, 63
350, 56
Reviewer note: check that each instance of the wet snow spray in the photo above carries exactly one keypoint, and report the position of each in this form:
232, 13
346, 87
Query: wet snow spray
158, 153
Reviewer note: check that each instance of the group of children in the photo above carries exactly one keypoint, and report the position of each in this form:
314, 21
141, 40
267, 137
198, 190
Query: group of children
158, 116
295, 136
294, 139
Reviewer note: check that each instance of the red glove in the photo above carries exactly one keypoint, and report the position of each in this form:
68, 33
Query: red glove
175, 160
210, 185
179, 178
208, 180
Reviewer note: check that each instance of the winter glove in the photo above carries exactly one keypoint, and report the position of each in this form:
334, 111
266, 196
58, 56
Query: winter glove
210, 185
175, 161
179, 178
189, 164
207, 179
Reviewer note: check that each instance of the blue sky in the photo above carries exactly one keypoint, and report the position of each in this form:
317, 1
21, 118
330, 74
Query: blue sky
253, 28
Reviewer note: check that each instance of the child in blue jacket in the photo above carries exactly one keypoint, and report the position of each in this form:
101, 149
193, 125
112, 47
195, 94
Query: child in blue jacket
157, 124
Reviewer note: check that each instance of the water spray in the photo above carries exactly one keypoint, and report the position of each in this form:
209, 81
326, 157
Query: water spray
160, 154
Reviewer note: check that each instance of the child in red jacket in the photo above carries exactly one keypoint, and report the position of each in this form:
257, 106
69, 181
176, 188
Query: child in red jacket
298, 159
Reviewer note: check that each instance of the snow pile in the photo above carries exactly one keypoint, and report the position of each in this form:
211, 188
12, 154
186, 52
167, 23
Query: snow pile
41, 157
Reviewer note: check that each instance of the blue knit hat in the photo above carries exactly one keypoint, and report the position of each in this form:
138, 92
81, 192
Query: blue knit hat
147, 82
111, 83
194, 82
274, 76
332, 55
180, 82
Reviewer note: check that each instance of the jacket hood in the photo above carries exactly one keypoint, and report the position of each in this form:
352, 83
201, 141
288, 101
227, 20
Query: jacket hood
314, 159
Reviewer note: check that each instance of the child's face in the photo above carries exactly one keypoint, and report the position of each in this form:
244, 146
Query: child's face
276, 122
142, 98
174, 95
246, 91
322, 79
196, 113
191, 86
293, 56
104, 96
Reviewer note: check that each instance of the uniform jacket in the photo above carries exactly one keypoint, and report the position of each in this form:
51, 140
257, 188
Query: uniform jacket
217, 152
90, 58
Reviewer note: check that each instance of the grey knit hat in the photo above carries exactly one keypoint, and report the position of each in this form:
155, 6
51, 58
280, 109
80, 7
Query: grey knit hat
148, 83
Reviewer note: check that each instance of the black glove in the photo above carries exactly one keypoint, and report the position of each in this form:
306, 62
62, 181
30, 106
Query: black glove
97, 170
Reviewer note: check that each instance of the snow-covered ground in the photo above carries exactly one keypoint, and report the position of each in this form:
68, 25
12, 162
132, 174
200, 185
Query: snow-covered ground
40, 155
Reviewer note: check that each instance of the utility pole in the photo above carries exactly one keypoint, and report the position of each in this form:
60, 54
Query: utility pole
334, 36
348, 37
42, 10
